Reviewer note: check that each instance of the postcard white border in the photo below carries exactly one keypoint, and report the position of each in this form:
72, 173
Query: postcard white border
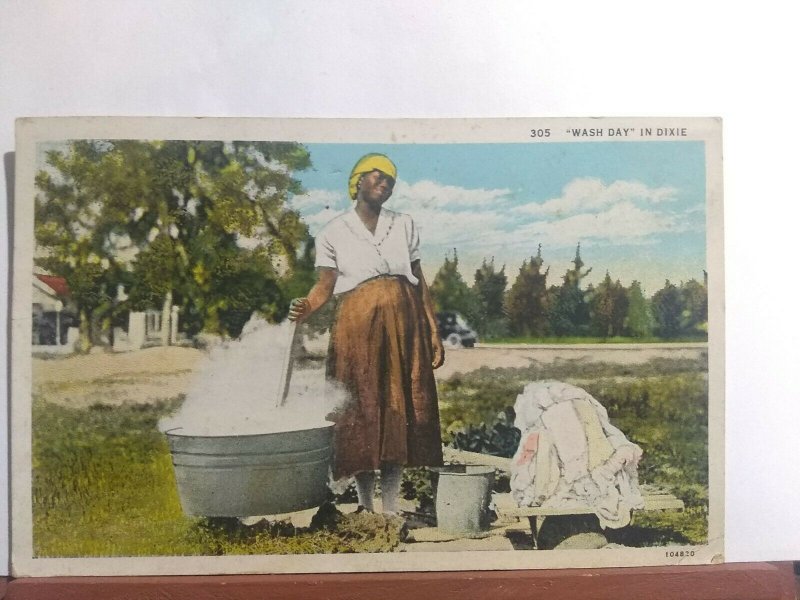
397, 131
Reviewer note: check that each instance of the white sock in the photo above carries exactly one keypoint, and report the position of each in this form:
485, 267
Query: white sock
391, 478
365, 487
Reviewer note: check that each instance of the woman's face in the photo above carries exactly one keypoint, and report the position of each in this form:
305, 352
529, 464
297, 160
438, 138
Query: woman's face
376, 187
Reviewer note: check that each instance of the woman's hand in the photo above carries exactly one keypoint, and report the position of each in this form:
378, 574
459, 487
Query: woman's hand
302, 308
299, 309
438, 351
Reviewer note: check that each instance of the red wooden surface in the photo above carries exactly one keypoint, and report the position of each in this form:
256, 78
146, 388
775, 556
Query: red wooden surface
750, 581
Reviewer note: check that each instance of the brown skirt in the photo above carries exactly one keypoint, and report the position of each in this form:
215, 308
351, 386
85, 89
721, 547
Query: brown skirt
380, 350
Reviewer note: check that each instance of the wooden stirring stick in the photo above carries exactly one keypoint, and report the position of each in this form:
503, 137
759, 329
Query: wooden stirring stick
288, 363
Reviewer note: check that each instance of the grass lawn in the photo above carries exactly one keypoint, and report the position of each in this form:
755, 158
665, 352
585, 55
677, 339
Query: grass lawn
103, 483
103, 486
661, 405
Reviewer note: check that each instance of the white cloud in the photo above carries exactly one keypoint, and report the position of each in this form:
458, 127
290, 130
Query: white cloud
464, 228
429, 194
317, 220
449, 215
317, 207
445, 214
591, 195
314, 200
623, 223
484, 222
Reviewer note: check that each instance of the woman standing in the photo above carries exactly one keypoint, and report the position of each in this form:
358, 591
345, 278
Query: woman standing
384, 340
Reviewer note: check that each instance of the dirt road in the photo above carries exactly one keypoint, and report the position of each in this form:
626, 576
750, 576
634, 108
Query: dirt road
161, 373
140, 377
464, 360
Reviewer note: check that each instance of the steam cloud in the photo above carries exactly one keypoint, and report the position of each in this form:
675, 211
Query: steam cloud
235, 391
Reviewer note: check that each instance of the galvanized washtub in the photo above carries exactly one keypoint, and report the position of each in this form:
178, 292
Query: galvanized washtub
246, 475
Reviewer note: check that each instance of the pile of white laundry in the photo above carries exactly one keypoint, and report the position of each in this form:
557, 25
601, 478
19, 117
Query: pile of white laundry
571, 457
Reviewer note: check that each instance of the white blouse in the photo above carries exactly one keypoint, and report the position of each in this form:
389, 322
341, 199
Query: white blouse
345, 244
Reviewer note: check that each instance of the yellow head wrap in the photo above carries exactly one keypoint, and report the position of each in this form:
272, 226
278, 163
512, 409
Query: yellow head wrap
367, 164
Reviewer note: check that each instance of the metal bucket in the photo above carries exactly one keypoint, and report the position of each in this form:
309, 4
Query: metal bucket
463, 495
245, 475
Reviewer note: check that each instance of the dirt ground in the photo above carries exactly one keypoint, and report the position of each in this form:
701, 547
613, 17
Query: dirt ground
139, 377
464, 360
154, 374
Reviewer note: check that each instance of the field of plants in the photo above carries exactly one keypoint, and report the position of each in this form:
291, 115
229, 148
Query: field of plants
662, 406
103, 482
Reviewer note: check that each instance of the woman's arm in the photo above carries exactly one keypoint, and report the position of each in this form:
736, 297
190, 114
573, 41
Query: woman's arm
430, 313
302, 308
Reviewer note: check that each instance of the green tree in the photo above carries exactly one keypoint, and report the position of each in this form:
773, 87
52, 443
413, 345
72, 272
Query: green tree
490, 288
620, 311
527, 300
175, 218
155, 269
450, 292
569, 314
601, 307
243, 283
608, 307
67, 228
694, 296
639, 320
667, 309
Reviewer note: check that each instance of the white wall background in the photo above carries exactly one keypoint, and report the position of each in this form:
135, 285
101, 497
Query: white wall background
470, 58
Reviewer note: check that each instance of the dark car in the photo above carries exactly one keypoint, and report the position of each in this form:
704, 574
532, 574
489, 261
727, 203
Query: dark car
455, 331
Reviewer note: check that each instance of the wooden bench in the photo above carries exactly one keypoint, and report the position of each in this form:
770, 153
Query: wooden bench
505, 506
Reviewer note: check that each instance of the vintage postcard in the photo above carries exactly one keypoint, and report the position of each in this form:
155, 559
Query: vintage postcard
310, 345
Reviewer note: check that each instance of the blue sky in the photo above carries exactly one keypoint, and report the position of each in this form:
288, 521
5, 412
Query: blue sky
637, 208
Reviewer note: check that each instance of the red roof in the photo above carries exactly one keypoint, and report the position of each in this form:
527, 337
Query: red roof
57, 284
